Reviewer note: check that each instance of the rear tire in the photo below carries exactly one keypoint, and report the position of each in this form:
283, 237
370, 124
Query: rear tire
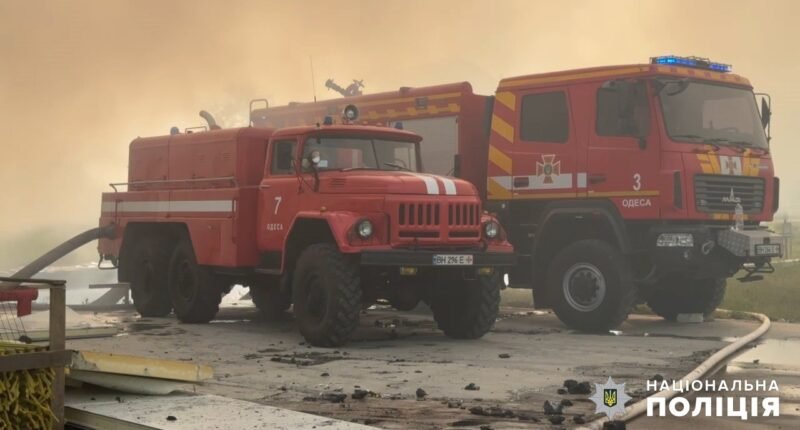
468, 311
590, 285
149, 265
688, 297
195, 294
270, 300
326, 293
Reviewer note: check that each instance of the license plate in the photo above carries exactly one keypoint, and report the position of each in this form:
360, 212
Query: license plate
770, 250
452, 260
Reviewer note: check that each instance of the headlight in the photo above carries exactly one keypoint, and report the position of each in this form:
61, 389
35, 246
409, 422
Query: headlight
491, 229
364, 229
675, 240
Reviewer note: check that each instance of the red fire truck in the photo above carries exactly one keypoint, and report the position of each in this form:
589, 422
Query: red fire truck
616, 184
329, 218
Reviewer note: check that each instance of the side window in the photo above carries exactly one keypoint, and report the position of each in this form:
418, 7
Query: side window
622, 109
545, 117
283, 157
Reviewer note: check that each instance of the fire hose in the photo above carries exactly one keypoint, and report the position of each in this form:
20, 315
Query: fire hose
704, 369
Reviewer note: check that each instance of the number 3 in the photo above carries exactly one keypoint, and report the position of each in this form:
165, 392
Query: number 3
277, 203
637, 181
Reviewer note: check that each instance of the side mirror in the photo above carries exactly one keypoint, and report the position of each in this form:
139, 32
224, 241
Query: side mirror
766, 113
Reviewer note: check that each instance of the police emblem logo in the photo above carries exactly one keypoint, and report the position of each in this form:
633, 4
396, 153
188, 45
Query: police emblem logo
610, 398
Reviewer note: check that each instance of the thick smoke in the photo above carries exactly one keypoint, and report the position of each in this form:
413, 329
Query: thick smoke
80, 79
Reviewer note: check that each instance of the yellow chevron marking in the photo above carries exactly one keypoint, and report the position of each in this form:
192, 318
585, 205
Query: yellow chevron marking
500, 159
507, 99
495, 191
501, 127
454, 107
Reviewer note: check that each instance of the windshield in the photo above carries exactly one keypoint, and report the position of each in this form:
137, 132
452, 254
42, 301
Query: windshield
706, 113
349, 153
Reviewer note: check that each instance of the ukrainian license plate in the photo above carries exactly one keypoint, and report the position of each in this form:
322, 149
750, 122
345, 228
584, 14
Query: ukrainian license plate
452, 260
773, 249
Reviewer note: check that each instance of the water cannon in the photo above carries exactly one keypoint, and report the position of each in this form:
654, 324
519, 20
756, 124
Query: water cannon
212, 123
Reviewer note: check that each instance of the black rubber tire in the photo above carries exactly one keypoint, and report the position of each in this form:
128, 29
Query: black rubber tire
687, 297
195, 294
326, 293
468, 311
270, 300
620, 292
148, 269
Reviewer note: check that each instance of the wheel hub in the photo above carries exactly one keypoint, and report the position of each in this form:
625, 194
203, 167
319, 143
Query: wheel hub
584, 287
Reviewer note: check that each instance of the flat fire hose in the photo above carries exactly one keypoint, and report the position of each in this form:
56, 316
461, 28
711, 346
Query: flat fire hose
698, 373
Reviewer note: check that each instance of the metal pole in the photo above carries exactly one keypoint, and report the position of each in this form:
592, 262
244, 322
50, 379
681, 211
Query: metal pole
58, 303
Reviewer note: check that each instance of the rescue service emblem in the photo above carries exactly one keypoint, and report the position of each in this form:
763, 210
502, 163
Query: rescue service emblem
548, 167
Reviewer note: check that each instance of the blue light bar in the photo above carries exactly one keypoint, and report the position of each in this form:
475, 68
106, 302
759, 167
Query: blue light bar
694, 62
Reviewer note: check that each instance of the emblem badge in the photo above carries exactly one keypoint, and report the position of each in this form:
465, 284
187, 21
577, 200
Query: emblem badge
610, 398
548, 167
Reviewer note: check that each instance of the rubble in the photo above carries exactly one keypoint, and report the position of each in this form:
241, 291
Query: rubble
472, 387
556, 419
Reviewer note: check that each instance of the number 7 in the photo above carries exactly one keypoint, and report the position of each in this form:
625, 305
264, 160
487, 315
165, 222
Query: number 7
277, 203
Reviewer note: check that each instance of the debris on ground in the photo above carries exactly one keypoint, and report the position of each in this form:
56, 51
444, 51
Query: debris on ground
472, 387
614, 425
575, 387
566, 402
171, 418
579, 419
550, 409
492, 411
327, 397
360, 393
421, 394
556, 419
504, 355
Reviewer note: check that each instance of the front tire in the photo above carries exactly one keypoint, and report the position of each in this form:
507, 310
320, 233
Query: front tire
326, 293
195, 295
591, 286
468, 311
149, 266
687, 297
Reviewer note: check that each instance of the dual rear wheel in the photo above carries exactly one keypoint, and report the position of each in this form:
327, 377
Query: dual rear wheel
165, 278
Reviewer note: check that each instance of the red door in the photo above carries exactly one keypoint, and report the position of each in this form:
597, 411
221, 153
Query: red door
277, 195
544, 149
623, 151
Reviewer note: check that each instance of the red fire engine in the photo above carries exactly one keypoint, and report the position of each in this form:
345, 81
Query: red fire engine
616, 184
327, 217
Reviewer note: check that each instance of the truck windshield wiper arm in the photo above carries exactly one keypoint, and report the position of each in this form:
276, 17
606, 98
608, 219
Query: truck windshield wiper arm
397, 166
709, 141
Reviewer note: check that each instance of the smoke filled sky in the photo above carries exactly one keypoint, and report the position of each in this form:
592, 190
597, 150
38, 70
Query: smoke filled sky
80, 79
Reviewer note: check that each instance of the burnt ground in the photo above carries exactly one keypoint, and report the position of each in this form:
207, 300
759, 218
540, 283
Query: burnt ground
517, 368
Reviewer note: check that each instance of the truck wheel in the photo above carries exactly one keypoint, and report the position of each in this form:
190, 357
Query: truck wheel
468, 311
590, 285
149, 263
688, 297
195, 295
326, 293
270, 300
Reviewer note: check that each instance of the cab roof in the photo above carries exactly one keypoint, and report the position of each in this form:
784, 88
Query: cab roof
610, 72
348, 130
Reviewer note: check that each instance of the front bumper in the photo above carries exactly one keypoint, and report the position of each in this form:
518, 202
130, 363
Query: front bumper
425, 258
716, 252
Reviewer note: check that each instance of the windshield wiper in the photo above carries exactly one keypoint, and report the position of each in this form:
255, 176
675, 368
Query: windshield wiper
397, 166
708, 141
348, 169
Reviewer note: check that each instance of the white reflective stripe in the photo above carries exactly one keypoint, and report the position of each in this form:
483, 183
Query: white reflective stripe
171, 206
449, 185
503, 181
430, 183
581, 180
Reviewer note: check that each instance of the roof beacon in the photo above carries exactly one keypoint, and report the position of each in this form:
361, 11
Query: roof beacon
694, 62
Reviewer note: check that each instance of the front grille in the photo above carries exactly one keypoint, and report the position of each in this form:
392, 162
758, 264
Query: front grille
463, 214
720, 193
418, 214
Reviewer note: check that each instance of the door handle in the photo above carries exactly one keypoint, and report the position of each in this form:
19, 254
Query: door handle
596, 178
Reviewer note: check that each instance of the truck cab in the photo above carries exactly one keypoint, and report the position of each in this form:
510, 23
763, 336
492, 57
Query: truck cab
329, 218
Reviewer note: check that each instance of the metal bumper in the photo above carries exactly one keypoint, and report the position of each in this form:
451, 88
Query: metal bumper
425, 258
751, 243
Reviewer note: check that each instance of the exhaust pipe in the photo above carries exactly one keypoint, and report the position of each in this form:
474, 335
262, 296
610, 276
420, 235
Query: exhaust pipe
212, 123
